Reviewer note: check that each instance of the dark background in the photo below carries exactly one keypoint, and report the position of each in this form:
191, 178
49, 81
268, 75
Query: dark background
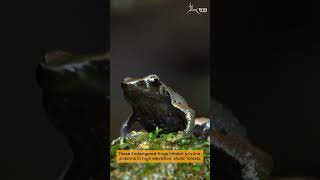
30, 147
158, 37
266, 68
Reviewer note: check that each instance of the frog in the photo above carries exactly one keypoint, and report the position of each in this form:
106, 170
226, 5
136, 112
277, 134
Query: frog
75, 97
156, 106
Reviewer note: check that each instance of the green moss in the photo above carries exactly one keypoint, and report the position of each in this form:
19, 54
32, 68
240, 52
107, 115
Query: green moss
160, 140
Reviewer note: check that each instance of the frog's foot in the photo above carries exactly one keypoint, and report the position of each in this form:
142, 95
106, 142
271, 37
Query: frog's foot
122, 138
115, 141
187, 133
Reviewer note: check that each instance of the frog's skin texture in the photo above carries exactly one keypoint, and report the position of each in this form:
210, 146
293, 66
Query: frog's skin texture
156, 105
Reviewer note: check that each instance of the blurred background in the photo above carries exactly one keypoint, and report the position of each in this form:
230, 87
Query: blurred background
159, 37
31, 148
266, 68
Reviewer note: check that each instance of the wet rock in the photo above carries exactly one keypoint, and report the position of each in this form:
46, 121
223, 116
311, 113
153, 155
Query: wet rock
165, 141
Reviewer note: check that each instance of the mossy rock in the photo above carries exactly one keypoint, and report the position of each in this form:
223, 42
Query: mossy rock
158, 140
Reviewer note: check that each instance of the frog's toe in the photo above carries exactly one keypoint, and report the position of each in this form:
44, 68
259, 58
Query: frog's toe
187, 133
122, 140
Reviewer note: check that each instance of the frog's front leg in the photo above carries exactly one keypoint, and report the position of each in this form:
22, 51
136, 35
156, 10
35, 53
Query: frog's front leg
190, 117
126, 126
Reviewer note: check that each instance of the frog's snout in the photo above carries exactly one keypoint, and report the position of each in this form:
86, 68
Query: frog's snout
55, 57
127, 79
123, 84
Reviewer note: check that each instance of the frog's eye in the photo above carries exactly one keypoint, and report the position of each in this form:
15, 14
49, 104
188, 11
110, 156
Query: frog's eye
155, 82
153, 77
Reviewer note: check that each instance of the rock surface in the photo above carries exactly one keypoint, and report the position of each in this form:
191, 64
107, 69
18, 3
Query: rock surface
156, 140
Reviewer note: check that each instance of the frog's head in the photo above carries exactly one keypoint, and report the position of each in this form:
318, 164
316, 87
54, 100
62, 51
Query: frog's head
146, 89
63, 72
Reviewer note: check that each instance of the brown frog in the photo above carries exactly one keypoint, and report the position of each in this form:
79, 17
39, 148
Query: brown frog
155, 105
